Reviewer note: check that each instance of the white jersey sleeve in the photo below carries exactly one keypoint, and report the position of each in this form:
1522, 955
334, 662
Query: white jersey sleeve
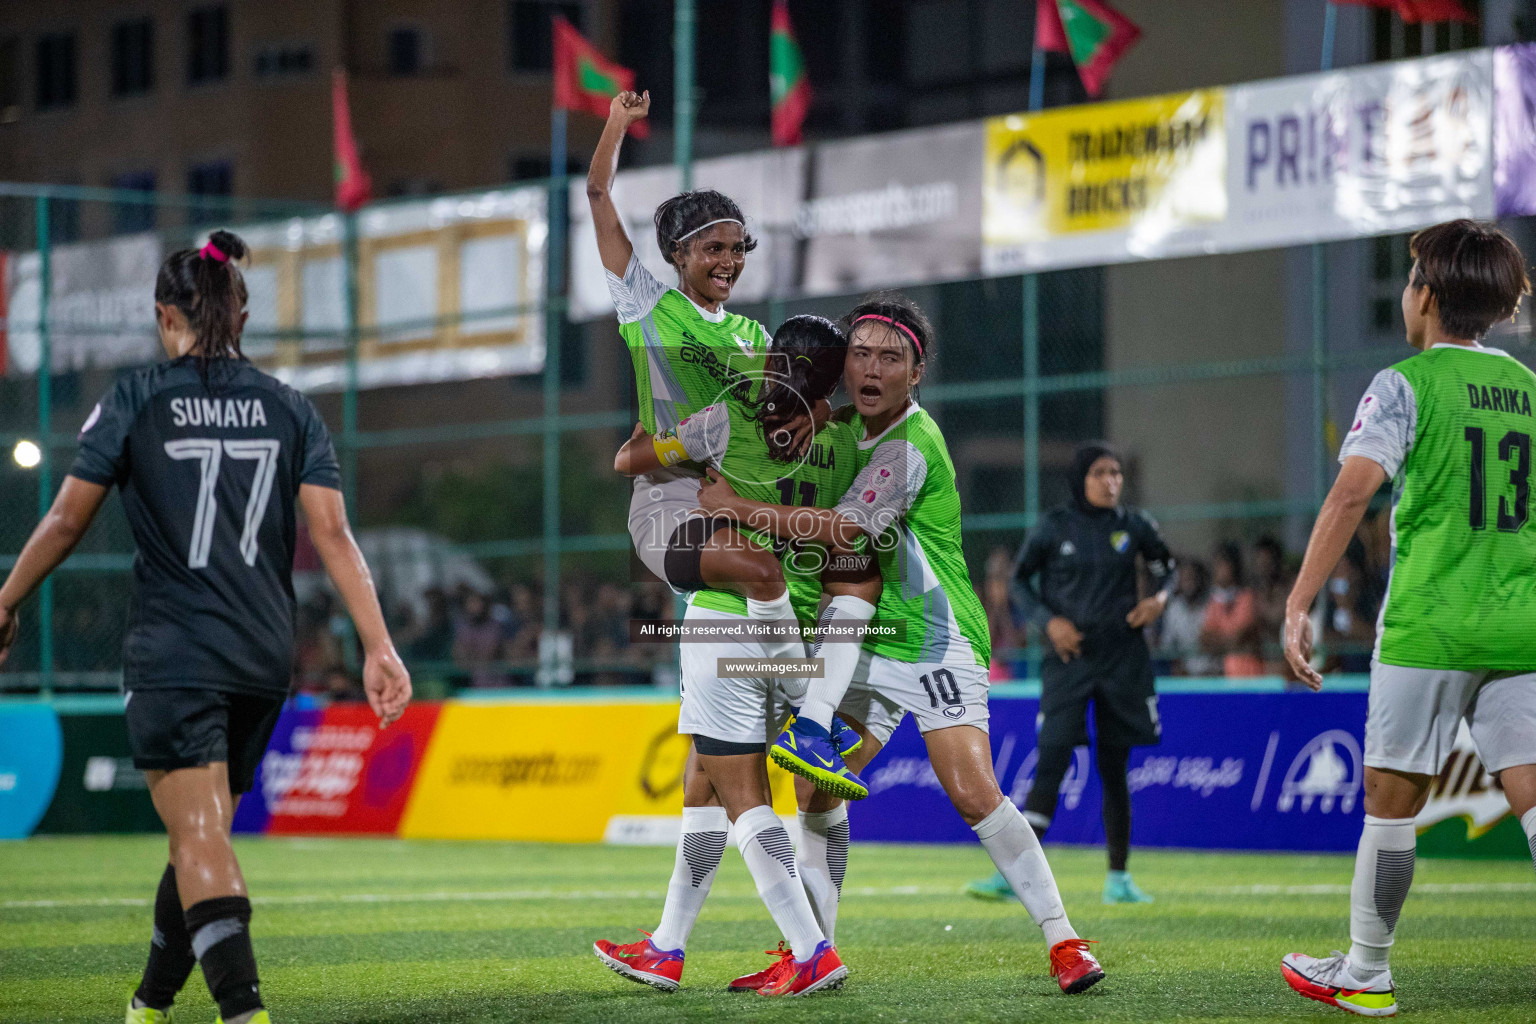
706, 434
884, 490
636, 293
1385, 423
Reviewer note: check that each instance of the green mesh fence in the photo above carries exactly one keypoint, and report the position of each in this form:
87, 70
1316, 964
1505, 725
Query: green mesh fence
488, 507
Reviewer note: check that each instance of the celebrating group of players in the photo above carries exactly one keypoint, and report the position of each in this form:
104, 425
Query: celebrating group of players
757, 501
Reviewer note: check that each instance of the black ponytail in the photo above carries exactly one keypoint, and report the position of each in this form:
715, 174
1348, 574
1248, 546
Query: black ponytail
683, 214
805, 363
208, 288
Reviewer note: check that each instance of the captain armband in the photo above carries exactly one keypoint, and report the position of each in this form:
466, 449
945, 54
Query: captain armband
669, 449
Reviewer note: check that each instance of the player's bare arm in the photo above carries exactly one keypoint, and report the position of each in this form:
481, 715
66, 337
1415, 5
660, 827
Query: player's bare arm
613, 243
718, 498
1358, 482
73, 510
385, 679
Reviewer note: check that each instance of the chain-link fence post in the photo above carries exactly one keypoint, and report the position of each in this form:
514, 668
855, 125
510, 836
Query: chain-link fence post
44, 435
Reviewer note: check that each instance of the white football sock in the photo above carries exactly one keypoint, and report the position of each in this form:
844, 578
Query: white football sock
841, 656
1528, 822
766, 848
822, 860
699, 850
1012, 845
780, 612
1383, 873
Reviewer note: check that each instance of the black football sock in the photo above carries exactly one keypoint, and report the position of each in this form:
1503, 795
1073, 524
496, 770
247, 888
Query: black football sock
170, 951
222, 942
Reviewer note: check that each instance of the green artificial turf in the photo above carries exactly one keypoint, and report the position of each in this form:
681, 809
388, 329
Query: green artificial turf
382, 930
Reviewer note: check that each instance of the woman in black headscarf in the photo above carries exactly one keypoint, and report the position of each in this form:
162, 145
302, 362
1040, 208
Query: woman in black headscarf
1076, 578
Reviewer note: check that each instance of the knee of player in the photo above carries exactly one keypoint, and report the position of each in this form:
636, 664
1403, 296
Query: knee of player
762, 576
975, 799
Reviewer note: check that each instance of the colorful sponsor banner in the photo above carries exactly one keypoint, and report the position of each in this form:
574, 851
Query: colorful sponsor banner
1372, 150
554, 772
1514, 130
1291, 778
835, 218
99, 789
336, 771
1137, 179
31, 754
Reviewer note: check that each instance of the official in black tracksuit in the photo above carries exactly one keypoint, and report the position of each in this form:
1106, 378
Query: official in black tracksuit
1076, 578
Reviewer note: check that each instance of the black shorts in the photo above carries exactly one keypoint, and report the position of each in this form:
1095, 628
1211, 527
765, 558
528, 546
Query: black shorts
685, 552
1117, 678
188, 728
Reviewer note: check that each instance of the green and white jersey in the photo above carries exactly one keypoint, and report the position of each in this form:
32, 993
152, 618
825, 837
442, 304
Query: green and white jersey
723, 436
905, 497
685, 356
1453, 427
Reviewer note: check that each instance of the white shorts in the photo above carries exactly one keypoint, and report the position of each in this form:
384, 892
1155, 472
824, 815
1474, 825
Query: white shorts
938, 695
658, 506
749, 710
1416, 712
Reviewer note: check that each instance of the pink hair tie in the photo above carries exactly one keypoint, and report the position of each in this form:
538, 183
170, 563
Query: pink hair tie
903, 328
211, 252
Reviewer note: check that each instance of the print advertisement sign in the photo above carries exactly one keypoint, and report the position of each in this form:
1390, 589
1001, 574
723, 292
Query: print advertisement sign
1135, 179
1373, 150
1514, 130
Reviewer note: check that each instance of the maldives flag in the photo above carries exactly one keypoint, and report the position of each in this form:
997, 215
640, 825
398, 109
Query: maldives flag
587, 81
1414, 12
353, 186
788, 85
1094, 33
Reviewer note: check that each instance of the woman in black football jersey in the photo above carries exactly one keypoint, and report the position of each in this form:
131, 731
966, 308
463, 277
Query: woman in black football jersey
210, 455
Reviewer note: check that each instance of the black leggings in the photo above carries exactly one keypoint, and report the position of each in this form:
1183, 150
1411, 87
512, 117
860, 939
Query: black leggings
1052, 767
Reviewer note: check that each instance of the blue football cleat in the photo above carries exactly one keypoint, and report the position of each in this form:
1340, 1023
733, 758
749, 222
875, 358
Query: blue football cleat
806, 749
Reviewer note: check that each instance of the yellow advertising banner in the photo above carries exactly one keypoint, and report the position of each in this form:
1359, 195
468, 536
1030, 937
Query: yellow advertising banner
552, 772
1108, 175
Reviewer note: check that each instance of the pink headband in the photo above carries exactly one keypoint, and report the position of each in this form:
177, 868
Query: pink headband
211, 252
903, 328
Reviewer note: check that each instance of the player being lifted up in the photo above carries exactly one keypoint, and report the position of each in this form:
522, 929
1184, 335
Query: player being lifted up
905, 502
688, 352
731, 719
210, 455
1452, 428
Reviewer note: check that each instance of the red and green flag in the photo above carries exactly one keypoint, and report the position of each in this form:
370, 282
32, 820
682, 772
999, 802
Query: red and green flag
587, 81
788, 85
1094, 33
1415, 12
353, 186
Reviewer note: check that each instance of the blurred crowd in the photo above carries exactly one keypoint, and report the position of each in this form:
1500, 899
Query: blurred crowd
1225, 617
470, 639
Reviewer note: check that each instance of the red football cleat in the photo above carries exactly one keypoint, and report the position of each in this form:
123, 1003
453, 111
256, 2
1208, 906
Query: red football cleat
790, 977
1074, 968
643, 962
753, 982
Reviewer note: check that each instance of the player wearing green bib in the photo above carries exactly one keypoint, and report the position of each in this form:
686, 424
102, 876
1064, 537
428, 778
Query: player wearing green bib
730, 713
1452, 428
688, 352
933, 665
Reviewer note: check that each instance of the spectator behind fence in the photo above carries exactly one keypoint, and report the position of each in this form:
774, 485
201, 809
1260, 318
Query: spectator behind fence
477, 641
1349, 618
1178, 641
1231, 627
1005, 632
1271, 586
